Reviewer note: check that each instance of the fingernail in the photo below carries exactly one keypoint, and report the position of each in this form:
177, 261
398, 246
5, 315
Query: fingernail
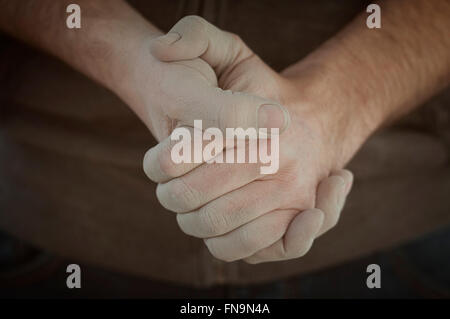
273, 116
170, 38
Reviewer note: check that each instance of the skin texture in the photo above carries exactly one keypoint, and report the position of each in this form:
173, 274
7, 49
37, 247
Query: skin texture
241, 213
165, 95
112, 47
176, 94
336, 97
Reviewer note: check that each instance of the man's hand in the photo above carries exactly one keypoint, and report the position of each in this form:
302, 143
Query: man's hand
113, 48
309, 224
337, 97
177, 93
237, 210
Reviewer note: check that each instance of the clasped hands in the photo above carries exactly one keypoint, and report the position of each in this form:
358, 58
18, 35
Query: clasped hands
200, 72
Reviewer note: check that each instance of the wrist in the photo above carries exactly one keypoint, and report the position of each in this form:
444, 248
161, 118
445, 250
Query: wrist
106, 45
336, 109
116, 62
121, 61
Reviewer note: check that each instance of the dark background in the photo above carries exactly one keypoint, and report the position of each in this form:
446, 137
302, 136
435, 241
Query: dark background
419, 269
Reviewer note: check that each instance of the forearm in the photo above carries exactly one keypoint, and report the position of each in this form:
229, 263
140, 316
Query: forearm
367, 77
103, 47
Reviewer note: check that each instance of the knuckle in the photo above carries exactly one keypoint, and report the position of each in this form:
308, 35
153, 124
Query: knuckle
330, 222
229, 112
183, 223
185, 197
288, 180
239, 47
166, 165
235, 37
188, 196
210, 222
214, 250
303, 252
232, 212
194, 22
278, 227
281, 255
248, 240
236, 40
334, 218
304, 249
161, 195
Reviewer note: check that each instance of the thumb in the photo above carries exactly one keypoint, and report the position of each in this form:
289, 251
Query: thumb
331, 195
194, 37
226, 109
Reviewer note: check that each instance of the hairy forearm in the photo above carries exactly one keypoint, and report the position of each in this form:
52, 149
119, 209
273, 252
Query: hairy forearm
369, 77
101, 49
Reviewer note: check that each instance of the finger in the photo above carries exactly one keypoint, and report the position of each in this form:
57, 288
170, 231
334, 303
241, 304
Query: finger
296, 242
330, 200
233, 168
222, 109
251, 237
194, 37
204, 184
331, 194
159, 164
232, 210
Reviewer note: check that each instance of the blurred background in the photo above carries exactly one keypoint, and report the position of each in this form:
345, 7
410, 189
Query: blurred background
420, 269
